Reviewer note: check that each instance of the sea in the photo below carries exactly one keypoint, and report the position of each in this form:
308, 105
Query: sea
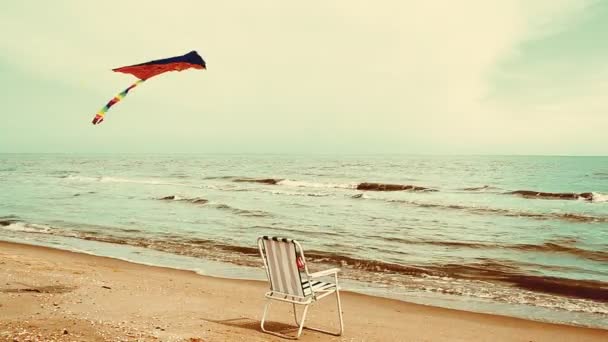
522, 236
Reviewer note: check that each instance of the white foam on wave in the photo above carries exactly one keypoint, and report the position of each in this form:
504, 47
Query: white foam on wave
214, 187
505, 294
288, 193
106, 179
82, 178
599, 197
28, 228
303, 184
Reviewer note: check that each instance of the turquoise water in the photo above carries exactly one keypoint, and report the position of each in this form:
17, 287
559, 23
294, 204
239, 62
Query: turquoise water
469, 243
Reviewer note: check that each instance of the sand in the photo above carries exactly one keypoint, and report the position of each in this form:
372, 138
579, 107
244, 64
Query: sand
54, 295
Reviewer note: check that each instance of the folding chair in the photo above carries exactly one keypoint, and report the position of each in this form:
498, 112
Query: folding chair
291, 282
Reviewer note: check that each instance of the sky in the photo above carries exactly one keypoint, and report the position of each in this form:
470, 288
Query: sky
338, 77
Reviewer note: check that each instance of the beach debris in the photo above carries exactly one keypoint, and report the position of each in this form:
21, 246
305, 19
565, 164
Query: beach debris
40, 289
145, 71
106, 287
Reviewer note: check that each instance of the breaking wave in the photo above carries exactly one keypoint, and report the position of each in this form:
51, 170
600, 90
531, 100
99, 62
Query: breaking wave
19, 226
484, 188
243, 212
271, 181
588, 196
599, 197
560, 247
194, 200
106, 179
391, 187
371, 186
295, 183
595, 197
221, 206
302, 184
571, 217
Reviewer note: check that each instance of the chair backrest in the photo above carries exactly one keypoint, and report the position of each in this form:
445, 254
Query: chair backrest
280, 257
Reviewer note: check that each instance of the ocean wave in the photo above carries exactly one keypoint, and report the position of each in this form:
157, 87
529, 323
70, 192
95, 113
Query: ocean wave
221, 206
571, 217
595, 197
486, 270
271, 181
391, 187
8, 220
106, 179
291, 193
220, 177
193, 200
179, 175
242, 212
557, 246
601, 175
82, 178
553, 247
585, 289
296, 183
587, 196
19, 226
599, 197
484, 188
63, 173
304, 184
367, 186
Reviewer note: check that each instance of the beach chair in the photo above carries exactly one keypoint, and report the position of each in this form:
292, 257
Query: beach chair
291, 282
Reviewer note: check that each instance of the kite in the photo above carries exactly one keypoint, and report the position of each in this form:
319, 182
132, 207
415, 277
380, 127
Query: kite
150, 69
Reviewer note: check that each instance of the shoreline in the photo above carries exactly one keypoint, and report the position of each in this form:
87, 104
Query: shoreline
250, 269
100, 298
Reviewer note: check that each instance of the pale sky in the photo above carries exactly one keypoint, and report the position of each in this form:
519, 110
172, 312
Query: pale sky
422, 77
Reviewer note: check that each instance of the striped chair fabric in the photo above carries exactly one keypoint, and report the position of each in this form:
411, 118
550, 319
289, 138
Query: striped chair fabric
282, 267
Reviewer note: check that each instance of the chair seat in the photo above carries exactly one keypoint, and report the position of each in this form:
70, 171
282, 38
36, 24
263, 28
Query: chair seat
316, 286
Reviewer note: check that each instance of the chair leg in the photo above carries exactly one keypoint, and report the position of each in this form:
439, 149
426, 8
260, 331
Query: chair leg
340, 312
339, 333
300, 324
266, 306
295, 315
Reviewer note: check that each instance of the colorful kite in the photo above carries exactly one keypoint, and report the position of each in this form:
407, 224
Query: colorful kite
148, 70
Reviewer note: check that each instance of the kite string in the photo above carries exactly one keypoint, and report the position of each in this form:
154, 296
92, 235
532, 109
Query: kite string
102, 112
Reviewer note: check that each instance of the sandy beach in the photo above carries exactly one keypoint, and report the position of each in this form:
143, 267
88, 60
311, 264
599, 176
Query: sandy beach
48, 294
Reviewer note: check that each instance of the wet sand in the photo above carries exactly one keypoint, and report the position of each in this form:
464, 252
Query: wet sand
48, 294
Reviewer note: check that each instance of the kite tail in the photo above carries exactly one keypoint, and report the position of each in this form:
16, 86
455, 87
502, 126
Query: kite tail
99, 116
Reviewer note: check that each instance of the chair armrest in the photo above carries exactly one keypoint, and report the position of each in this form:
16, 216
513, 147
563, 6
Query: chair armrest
324, 273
